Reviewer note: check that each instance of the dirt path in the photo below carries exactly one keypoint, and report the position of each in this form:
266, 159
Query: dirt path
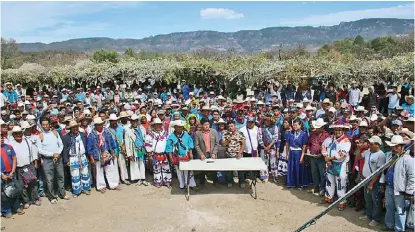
150, 209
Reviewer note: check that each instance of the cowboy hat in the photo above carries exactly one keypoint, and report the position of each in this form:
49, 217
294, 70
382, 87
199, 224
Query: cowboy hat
220, 121
319, 123
156, 121
179, 123
339, 124
327, 101
113, 117
396, 140
134, 117
123, 114
72, 123
220, 97
309, 107
98, 121
260, 102
361, 109
354, 118
25, 125
406, 131
16, 129
205, 108
409, 96
363, 123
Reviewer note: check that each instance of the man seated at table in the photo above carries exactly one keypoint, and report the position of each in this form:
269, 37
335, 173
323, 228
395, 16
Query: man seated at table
234, 141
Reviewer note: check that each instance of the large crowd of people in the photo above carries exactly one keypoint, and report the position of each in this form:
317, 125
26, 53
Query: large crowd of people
323, 140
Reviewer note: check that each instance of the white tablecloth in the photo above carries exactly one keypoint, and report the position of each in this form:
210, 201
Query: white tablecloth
230, 164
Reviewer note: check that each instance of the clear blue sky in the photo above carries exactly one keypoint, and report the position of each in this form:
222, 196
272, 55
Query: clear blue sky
56, 21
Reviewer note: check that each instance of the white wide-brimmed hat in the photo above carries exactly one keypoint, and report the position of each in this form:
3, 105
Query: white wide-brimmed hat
220, 121
16, 129
396, 140
406, 131
156, 121
113, 117
309, 107
180, 123
361, 109
327, 101
319, 123
134, 117
25, 125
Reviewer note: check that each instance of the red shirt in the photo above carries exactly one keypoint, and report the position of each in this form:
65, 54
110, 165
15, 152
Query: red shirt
315, 140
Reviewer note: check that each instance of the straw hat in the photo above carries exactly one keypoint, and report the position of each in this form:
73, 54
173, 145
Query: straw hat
134, 117
409, 96
363, 123
220, 97
319, 123
25, 125
113, 117
339, 124
72, 123
406, 131
98, 120
220, 121
327, 101
123, 114
179, 123
361, 109
16, 129
156, 121
396, 140
260, 102
309, 107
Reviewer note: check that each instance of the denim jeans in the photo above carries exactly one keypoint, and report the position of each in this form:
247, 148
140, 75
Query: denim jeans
373, 203
390, 208
395, 216
317, 172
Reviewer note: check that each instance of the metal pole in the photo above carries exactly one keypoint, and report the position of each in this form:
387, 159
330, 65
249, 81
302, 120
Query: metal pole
348, 194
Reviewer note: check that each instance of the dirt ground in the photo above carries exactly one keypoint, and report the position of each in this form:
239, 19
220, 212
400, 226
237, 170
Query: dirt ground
140, 208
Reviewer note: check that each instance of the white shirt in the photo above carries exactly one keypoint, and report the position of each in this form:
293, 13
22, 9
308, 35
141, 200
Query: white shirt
254, 138
373, 161
354, 96
34, 140
154, 143
2, 99
23, 153
393, 101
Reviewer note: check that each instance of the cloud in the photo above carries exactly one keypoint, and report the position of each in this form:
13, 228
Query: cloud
52, 21
219, 13
401, 11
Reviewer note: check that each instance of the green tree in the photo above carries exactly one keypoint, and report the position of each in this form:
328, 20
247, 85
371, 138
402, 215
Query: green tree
130, 53
105, 55
9, 49
359, 41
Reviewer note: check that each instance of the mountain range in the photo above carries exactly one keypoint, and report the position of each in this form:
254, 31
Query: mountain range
270, 38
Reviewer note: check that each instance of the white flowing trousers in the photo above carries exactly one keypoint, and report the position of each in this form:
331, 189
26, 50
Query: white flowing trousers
110, 171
